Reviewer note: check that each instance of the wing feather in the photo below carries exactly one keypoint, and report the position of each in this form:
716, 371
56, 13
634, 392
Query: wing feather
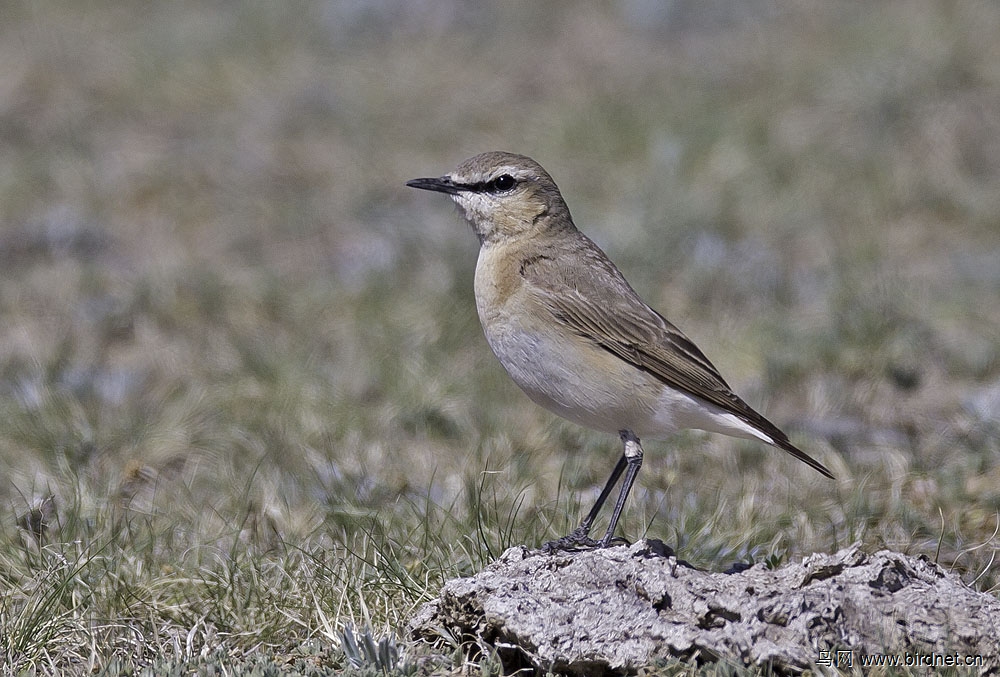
615, 318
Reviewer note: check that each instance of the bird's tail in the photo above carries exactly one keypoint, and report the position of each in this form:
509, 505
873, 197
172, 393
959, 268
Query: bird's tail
780, 440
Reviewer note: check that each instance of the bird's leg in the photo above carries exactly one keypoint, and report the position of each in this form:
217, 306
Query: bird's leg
580, 538
633, 460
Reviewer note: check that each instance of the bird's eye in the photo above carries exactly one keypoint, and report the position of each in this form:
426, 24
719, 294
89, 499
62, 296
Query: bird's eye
503, 183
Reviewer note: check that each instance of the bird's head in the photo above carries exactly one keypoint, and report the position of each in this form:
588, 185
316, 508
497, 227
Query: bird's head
503, 196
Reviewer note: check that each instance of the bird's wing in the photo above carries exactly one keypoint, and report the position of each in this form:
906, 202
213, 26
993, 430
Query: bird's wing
595, 301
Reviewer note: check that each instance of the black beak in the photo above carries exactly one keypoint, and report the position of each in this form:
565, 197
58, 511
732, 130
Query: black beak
443, 184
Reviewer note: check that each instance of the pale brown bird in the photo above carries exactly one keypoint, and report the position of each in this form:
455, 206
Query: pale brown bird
575, 336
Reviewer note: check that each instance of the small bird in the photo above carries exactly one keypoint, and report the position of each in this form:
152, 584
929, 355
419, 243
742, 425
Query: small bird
575, 336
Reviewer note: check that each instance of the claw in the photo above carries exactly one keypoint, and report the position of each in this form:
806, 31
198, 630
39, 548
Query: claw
577, 542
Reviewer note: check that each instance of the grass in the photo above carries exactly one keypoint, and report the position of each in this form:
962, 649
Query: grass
244, 361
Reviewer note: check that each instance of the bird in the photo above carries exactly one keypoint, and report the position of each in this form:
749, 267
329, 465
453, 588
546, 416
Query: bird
575, 336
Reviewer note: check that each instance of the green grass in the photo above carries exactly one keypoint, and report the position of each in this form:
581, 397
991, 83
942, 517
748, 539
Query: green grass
244, 359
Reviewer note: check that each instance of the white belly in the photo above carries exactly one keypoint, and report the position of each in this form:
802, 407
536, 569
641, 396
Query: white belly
596, 389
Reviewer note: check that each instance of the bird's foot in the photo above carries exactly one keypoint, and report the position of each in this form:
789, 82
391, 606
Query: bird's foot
579, 540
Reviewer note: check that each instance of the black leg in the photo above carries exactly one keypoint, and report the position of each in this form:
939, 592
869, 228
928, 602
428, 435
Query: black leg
579, 538
633, 459
588, 521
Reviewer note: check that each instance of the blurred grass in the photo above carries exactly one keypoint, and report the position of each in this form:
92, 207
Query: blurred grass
245, 361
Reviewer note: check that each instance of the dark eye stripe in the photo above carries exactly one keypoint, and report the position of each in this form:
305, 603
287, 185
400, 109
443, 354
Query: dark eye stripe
501, 184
